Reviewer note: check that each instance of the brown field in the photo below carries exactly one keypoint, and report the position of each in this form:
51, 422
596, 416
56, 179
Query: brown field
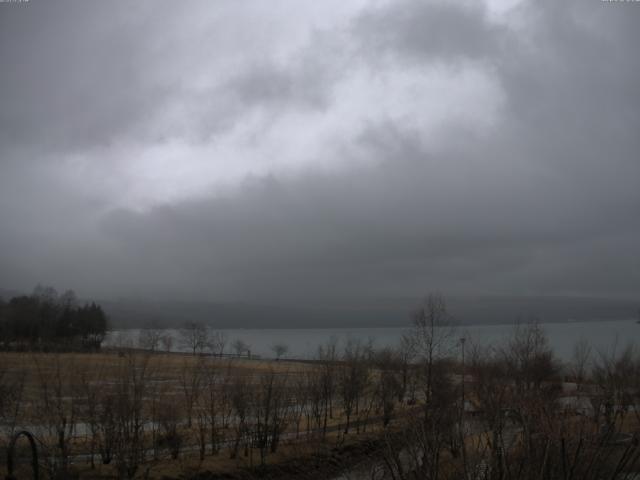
61, 381
132, 414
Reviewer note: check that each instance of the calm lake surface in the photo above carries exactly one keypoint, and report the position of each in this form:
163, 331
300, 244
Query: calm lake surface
303, 343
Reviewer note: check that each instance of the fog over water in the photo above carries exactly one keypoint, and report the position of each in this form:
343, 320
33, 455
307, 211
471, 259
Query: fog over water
604, 337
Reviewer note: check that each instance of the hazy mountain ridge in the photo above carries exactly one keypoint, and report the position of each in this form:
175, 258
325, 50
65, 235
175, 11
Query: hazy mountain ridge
374, 313
354, 313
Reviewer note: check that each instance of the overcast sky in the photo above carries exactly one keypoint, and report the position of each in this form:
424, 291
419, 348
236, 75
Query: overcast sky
284, 149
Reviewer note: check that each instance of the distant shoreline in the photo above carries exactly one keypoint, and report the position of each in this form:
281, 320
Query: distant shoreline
379, 327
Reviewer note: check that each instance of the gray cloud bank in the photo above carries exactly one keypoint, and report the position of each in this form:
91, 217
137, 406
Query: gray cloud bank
249, 153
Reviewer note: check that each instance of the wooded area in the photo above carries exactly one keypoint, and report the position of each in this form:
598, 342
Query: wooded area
47, 321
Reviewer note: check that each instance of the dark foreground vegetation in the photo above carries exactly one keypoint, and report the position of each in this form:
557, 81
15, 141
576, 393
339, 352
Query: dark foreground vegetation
46, 321
435, 407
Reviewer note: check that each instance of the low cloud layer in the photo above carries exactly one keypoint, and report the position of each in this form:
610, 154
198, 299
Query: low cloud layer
288, 150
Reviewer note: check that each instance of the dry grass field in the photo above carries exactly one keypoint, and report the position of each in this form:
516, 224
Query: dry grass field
49, 393
130, 414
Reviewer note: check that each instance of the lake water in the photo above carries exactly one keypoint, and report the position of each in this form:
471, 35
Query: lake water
304, 343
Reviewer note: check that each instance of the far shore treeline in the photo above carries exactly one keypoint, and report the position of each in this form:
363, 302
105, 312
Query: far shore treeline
46, 320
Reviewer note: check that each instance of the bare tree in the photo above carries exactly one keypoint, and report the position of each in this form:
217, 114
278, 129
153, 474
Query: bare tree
493, 397
217, 343
532, 369
202, 431
433, 338
12, 405
425, 441
167, 342
210, 408
353, 376
421, 449
317, 406
240, 399
270, 407
580, 359
92, 389
107, 426
279, 350
169, 420
57, 408
388, 382
128, 403
327, 356
225, 396
529, 357
614, 373
149, 338
405, 354
240, 347
301, 400
194, 336
190, 380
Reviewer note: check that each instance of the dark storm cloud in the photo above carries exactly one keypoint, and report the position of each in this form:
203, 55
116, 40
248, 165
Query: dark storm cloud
400, 228
543, 199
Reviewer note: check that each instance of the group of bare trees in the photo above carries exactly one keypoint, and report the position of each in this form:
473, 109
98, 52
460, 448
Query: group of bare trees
492, 412
130, 410
194, 337
506, 413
